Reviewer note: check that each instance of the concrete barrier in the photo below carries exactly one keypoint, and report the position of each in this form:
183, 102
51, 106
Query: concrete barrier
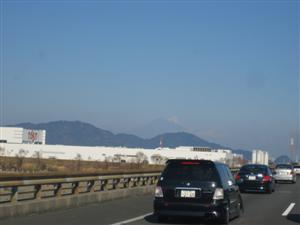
19, 198
45, 205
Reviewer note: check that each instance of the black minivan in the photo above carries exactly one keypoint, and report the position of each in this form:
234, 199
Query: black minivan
197, 188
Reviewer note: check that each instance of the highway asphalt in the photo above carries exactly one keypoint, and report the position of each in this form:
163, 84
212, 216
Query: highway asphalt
260, 209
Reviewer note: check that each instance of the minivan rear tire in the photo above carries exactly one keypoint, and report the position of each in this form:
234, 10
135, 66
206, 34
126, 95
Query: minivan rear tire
240, 208
224, 219
161, 218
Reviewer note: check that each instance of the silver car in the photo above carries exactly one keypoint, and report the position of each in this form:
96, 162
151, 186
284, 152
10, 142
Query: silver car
285, 172
297, 170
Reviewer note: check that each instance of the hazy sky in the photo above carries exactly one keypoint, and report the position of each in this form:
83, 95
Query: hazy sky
228, 71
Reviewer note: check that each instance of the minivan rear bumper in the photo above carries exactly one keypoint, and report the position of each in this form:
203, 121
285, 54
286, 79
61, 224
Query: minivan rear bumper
210, 211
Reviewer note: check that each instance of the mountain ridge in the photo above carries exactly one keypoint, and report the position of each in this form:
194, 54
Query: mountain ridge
85, 134
159, 125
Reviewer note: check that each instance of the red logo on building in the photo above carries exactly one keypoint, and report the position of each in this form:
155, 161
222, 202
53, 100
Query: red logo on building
32, 135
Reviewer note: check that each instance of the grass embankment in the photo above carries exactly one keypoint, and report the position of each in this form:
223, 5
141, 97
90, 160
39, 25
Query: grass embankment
16, 167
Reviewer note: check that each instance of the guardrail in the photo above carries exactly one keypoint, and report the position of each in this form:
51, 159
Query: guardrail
33, 189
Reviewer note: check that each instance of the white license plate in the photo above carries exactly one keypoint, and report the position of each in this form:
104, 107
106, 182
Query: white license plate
187, 194
252, 178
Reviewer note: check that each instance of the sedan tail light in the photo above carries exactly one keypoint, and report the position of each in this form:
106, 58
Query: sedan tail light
266, 178
237, 176
158, 192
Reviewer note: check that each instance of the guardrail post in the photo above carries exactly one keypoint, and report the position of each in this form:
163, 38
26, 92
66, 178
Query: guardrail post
110, 184
116, 183
148, 181
132, 182
58, 190
151, 181
91, 186
140, 181
145, 181
155, 179
96, 186
121, 183
38, 191
103, 185
14, 194
76, 188
126, 182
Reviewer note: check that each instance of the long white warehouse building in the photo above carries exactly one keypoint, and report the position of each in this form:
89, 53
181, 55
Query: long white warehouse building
15, 141
114, 154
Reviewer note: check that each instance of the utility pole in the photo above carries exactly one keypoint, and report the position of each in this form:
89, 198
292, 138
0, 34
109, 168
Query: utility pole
161, 143
292, 149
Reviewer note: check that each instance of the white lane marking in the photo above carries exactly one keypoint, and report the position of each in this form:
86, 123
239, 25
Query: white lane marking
133, 219
289, 209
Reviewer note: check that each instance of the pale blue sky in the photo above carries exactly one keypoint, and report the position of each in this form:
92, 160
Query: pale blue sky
227, 70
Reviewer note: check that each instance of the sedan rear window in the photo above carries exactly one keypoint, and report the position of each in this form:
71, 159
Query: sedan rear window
289, 167
190, 171
253, 169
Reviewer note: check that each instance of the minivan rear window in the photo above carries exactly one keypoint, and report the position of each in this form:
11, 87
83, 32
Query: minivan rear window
201, 171
253, 169
289, 167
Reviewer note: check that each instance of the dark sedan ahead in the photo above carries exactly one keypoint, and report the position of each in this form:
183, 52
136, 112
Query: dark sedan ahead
255, 177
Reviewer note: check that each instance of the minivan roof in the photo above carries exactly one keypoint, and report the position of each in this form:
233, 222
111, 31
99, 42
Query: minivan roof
255, 164
192, 160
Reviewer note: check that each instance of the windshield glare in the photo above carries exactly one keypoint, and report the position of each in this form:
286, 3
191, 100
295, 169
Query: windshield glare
199, 172
253, 169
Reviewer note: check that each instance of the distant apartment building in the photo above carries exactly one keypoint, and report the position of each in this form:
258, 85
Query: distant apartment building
260, 157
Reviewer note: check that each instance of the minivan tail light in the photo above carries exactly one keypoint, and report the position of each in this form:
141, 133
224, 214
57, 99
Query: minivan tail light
189, 163
158, 192
219, 194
